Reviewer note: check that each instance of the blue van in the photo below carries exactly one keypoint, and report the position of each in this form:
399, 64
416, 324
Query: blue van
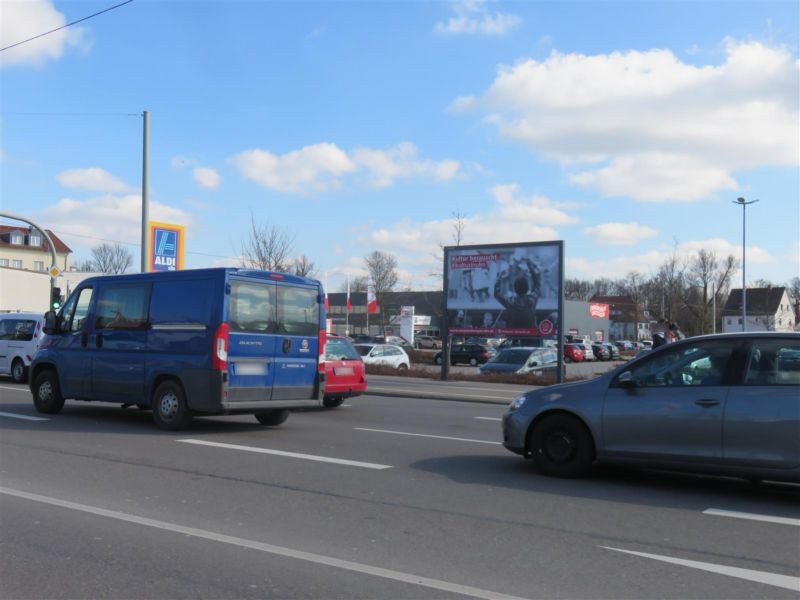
204, 342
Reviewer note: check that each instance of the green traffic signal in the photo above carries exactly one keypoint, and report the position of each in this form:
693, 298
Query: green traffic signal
55, 298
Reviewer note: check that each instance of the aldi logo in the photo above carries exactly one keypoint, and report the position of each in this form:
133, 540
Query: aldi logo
166, 246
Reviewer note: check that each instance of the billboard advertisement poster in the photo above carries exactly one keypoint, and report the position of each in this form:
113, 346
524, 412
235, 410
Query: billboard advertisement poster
166, 246
504, 290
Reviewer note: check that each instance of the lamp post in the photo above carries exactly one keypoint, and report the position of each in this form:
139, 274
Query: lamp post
744, 204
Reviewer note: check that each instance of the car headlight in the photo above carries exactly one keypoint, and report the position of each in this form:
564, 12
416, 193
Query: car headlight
517, 403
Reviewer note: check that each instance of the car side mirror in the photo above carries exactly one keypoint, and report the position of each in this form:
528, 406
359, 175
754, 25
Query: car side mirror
50, 322
626, 380
533, 363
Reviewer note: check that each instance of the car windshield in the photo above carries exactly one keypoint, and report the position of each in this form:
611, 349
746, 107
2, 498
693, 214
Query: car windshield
363, 350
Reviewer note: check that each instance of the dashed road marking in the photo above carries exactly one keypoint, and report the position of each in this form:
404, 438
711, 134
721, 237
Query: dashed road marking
15, 389
489, 418
774, 579
23, 417
425, 435
718, 512
320, 559
325, 459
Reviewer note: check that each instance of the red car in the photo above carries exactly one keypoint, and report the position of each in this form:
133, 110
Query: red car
573, 353
344, 371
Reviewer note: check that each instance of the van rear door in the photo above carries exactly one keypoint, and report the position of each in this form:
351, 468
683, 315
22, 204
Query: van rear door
297, 345
252, 338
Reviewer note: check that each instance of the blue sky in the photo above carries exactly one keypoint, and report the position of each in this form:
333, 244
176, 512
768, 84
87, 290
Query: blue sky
623, 128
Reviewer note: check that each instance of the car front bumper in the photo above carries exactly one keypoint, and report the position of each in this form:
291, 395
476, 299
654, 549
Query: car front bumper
515, 431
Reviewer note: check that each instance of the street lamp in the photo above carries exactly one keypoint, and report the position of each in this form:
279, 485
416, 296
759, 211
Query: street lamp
744, 204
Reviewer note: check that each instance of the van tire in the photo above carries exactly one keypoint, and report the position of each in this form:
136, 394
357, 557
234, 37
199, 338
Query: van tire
170, 411
47, 396
333, 402
19, 373
272, 418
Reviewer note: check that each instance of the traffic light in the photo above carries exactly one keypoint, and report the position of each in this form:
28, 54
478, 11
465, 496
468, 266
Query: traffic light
55, 298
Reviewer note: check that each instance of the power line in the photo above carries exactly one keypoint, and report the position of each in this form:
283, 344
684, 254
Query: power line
36, 37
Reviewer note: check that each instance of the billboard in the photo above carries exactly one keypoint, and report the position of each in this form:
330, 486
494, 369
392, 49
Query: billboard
504, 290
166, 247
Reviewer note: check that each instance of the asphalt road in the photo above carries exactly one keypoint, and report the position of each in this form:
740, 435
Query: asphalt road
385, 497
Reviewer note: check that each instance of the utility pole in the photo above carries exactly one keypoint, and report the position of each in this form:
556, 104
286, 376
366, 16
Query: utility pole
145, 207
744, 203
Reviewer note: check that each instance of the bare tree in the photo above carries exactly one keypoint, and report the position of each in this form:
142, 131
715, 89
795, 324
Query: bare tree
382, 269
357, 284
84, 265
458, 225
793, 291
705, 277
110, 258
304, 266
267, 248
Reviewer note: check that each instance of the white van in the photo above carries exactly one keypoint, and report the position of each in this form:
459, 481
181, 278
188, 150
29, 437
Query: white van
20, 336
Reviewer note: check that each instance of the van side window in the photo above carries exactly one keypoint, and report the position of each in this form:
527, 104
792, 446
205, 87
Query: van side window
75, 311
122, 307
298, 311
252, 307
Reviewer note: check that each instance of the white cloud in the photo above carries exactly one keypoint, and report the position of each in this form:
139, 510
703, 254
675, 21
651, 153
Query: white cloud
206, 177
645, 124
321, 168
472, 17
93, 179
512, 219
385, 166
110, 217
22, 20
620, 234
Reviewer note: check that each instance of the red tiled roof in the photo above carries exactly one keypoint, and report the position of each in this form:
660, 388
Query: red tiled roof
61, 247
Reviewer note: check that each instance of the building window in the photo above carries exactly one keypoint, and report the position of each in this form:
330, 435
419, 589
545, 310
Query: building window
3, 262
38, 265
34, 239
740, 320
16, 237
16, 264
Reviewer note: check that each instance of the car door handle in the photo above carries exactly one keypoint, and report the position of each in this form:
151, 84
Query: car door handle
707, 402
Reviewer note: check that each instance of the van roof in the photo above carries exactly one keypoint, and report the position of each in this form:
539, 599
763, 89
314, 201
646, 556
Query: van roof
218, 272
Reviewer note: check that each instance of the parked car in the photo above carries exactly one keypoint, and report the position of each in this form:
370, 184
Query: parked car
472, 354
723, 404
588, 353
384, 339
573, 353
427, 341
522, 360
20, 336
201, 341
624, 345
526, 342
613, 351
601, 352
344, 371
387, 355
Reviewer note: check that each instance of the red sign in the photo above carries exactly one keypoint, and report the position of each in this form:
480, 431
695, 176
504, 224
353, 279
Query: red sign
546, 327
597, 310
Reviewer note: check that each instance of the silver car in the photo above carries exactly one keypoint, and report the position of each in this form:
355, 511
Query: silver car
721, 404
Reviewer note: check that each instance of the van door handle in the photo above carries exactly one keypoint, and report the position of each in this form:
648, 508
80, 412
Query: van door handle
707, 402
84, 340
98, 340
287, 345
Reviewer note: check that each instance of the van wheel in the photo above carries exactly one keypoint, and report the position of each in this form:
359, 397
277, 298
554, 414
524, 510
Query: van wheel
272, 417
170, 411
561, 446
18, 371
47, 393
333, 402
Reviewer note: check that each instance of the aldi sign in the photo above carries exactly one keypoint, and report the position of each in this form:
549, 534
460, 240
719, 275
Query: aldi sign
166, 246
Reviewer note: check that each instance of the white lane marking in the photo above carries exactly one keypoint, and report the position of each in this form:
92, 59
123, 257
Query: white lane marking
437, 437
774, 579
489, 418
23, 417
321, 559
15, 389
325, 459
426, 393
751, 516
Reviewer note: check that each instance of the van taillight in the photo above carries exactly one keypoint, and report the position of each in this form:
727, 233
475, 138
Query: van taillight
323, 337
219, 351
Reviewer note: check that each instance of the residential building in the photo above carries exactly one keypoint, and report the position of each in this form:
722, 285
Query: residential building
768, 309
26, 249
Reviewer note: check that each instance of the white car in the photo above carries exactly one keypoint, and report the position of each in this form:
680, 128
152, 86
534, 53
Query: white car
20, 336
588, 353
387, 355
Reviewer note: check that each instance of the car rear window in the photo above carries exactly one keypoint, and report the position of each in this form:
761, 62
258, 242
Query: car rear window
339, 349
363, 350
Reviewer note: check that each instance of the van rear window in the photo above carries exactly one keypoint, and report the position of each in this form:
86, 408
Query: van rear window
252, 307
298, 311
19, 330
